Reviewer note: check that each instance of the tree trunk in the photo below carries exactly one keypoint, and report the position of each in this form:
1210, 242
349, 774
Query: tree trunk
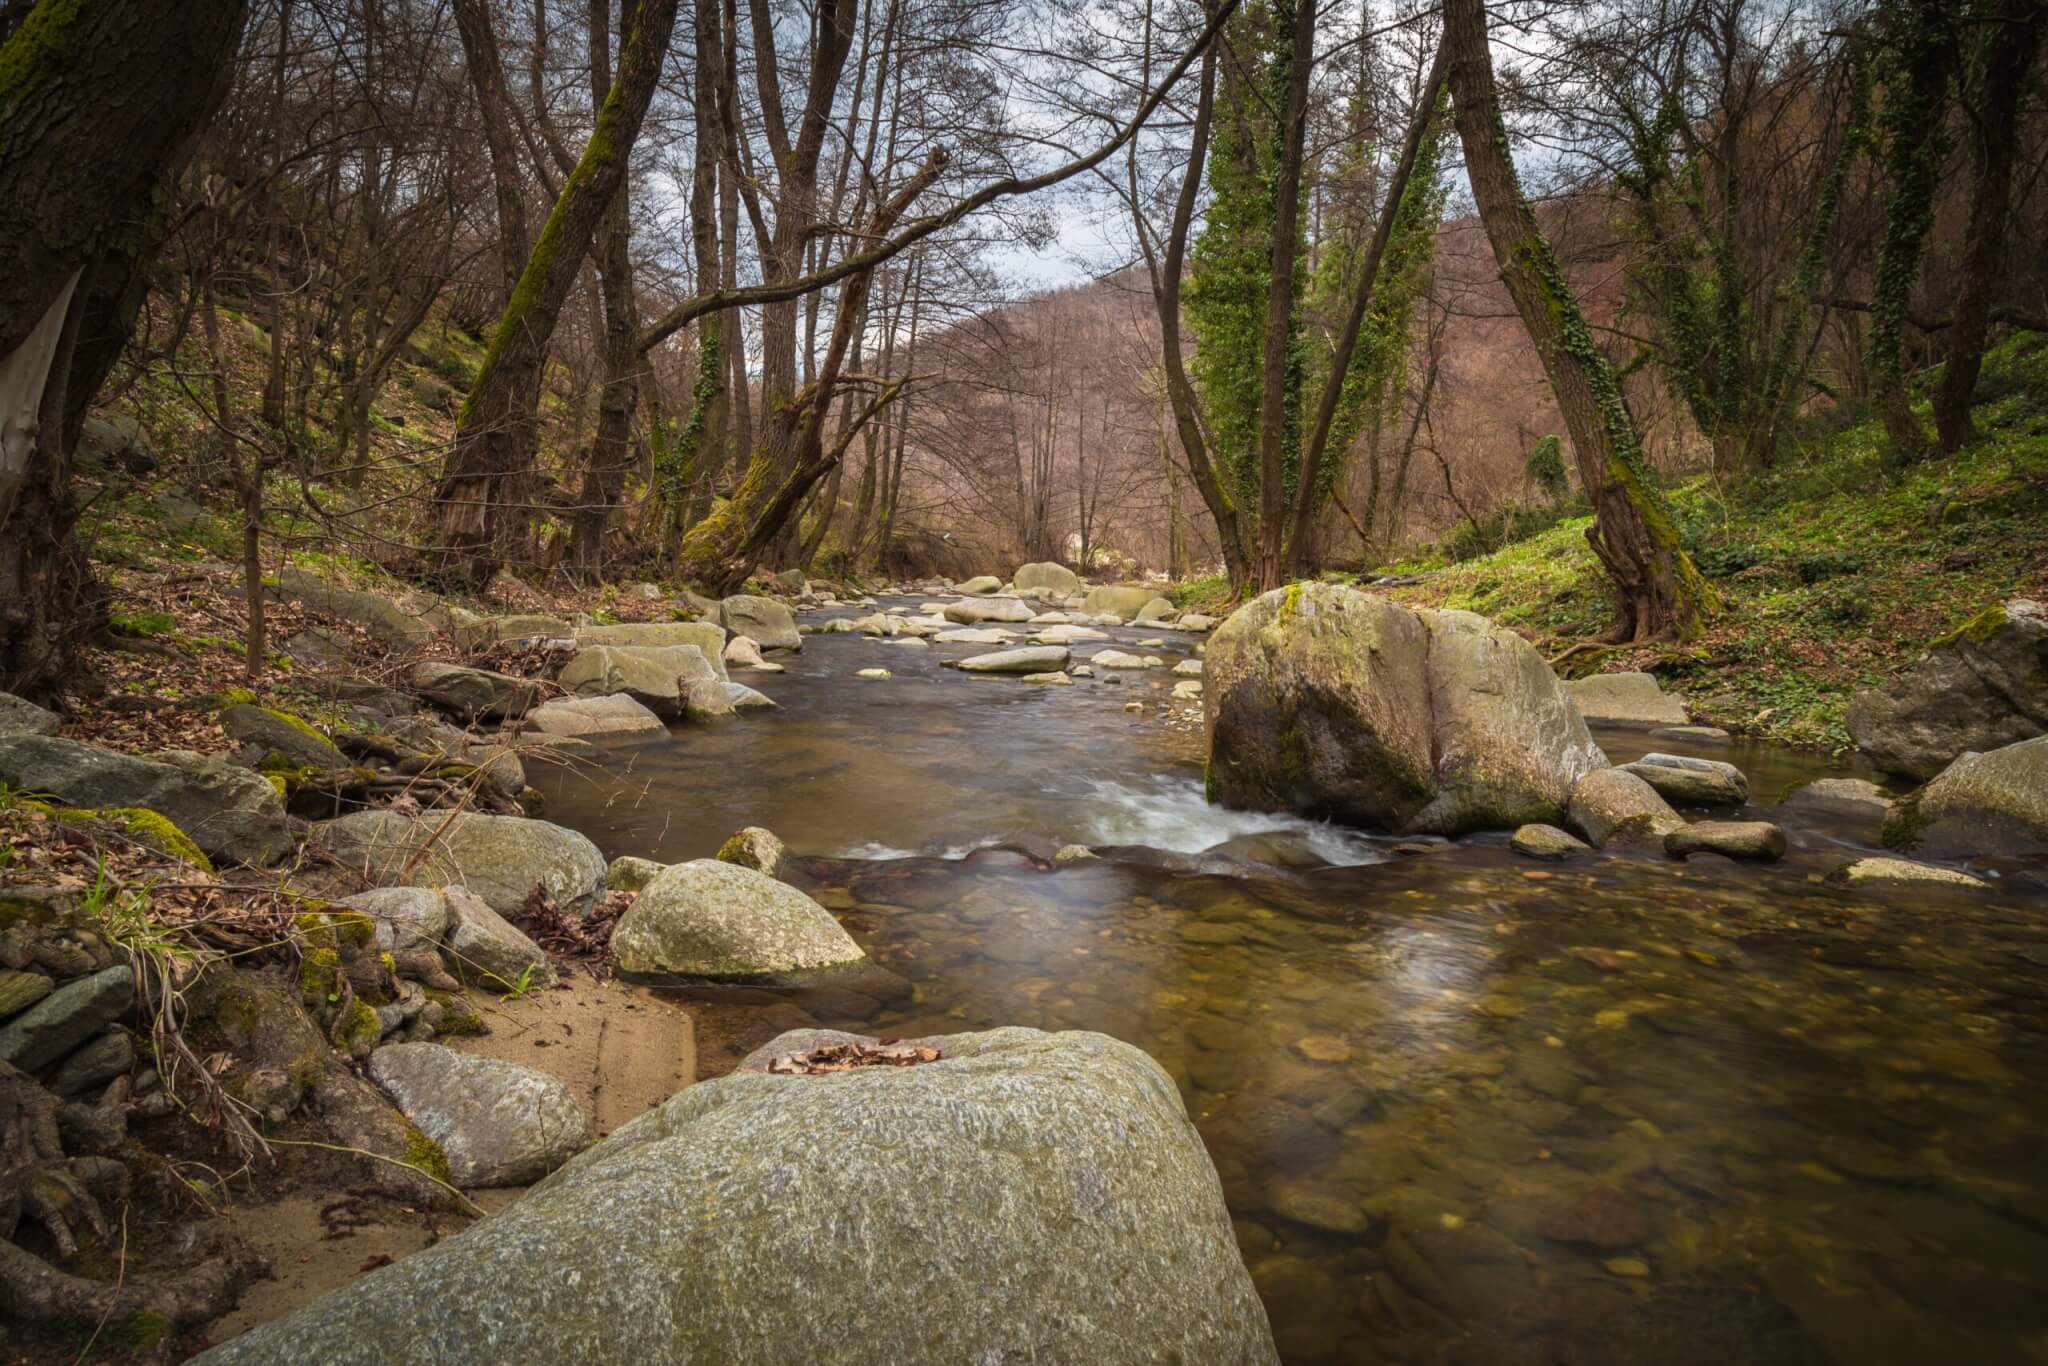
1281, 364
103, 100
1659, 592
2010, 43
485, 485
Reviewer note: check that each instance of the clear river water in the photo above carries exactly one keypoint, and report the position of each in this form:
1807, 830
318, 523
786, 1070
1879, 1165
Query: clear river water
1465, 1107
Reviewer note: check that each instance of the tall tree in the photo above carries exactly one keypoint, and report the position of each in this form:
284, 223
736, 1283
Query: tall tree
99, 104
486, 482
1658, 590
2012, 38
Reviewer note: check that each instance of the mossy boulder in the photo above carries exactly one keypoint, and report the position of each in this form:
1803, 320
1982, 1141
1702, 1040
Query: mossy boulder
500, 858
756, 848
150, 828
1026, 1197
1982, 687
1982, 805
224, 809
264, 732
1333, 703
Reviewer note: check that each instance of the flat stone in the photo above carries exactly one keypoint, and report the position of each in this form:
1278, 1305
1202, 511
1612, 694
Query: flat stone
975, 636
1031, 659
975, 611
1625, 699
872, 673
227, 810
579, 716
498, 1123
1895, 872
1055, 679
1600, 1218
1117, 659
67, 1017
1066, 635
1036, 1198
110, 1055
1700, 782
1696, 735
1758, 841
708, 636
500, 858
744, 698
20, 990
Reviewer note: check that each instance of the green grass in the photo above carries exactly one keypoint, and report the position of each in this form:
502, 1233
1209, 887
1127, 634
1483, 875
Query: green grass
1836, 568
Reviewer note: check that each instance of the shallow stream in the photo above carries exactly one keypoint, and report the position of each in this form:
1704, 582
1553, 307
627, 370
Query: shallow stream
1465, 1107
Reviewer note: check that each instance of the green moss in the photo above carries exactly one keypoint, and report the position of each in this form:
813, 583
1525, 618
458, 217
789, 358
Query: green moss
319, 978
237, 697
1289, 606
426, 1155
1979, 628
140, 1331
462, 1024
278, 783
360, 1030
531, 801
147, 827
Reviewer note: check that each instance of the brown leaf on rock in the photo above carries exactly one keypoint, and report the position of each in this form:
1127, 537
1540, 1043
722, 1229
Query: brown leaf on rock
844, 1057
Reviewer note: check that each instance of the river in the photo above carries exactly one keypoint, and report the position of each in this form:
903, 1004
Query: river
1465, 1107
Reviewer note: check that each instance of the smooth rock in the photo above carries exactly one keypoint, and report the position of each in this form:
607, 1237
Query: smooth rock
579, 716
981, 584
1698, 782
1625, 699
1545, 842
765, 620
473, 694
488, 950
227, 810
67, 1017
1028, 1198
498, 1123
629, 874
20, 717
1117, 659
1854, 797
1051, 680
1982, 688
1697, 735
500, 858
723, 922
1757, 841
1031, 659
1330, 702
401, 627
744, 653
709, 699
986, 609
971, 636
872, 673
656, 676
1157, 612
745, 698
1982, 804
1066, 635
1122, 603
20, 990
754, 847
402, 919
1189, 668
1614, 806
1046, 576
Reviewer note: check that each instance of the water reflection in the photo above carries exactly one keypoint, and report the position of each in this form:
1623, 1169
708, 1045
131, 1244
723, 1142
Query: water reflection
1464, 1108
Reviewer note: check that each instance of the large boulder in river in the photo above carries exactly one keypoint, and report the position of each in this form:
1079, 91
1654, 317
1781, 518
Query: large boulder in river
500, 858
765, 619
1046, 576
1982, 804
1334, 703
724, 922
656, 676
1031, 659
1026, 1197
228, 811
707, 636
1981, 688
1110, 600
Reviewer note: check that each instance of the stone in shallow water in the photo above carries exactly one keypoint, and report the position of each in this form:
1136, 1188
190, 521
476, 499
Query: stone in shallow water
1683, 778
1601, 1218
725, 922
1611, 806
1032, 659
1546, 842
1028, 1197
1323, 1048
1858, 797
1897, 872
1754, 840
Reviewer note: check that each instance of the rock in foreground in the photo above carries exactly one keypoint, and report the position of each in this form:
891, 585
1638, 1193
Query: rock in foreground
228, 811
1330, 702
1028, 1197
498, 1123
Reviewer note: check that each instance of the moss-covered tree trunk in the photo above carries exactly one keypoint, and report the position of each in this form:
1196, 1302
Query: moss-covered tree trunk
2011, 40
99, 103
485, 493
1658, 591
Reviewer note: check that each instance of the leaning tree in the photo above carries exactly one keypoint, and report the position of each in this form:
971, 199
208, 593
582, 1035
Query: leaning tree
100, 101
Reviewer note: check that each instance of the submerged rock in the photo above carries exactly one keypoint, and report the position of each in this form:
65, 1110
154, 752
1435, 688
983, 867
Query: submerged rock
1625, 699
1027, 1197
498, 1124
724, 922
1331, 702
227, 810
1858, 798
1757, 841
500, 858
1700, 782
1982, 804
1032, 659
1545, 842
1897, 872
1982, 688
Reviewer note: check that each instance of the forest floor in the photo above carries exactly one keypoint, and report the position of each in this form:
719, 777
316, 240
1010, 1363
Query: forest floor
1834, 568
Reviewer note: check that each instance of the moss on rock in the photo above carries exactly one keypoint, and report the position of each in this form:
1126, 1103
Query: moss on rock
152, 828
